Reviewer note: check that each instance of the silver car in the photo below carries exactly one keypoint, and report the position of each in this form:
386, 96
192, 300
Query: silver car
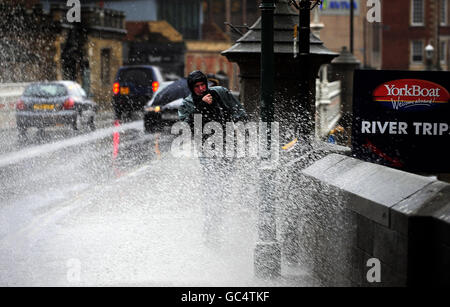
45, 104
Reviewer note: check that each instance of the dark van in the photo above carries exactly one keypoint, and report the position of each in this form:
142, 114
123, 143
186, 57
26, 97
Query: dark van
134, 87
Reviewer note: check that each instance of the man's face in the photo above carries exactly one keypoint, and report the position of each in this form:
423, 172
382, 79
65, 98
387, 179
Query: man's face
199, 88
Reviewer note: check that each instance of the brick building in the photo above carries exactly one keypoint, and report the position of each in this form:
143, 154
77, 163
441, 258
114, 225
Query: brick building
408, 26
205, 55
398, 41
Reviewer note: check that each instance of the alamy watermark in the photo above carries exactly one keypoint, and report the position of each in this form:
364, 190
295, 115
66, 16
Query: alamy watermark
374, 13
374, 273
74, 13
237, 140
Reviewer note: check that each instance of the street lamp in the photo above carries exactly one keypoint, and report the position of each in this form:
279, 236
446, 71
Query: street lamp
267, 251
304, 7
429, 52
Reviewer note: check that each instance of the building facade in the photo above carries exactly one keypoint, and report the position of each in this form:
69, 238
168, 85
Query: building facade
398, 41
26, 46
200, 24
186, 16
40, 44
90, 51
333, 17
408, 27
205, 56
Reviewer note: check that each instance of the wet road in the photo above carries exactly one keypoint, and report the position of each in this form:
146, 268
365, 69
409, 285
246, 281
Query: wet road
115, 207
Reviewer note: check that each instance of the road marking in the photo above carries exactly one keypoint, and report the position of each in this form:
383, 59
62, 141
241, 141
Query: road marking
32, 152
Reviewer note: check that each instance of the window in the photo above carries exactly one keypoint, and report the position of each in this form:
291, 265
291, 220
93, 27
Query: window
45, 90
73, 89
76, 90
417, 12
105, 58
417, 51
141, 77
82, 92
443, 12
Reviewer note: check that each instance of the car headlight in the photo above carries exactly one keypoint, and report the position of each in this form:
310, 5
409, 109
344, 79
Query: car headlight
153, 109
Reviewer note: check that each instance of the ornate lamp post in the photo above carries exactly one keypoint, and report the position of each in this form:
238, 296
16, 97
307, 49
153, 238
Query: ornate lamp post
270, 74
306, 122
267, 250
267, 60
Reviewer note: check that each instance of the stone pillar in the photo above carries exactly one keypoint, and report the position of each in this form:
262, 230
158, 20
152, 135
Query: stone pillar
343, 69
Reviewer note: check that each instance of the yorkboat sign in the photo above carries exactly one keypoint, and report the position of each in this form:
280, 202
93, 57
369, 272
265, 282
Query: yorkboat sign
402, 119
411, 95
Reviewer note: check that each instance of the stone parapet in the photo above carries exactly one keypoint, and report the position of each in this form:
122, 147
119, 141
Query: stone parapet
341, 212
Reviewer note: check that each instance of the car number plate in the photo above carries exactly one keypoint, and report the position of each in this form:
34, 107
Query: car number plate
169, 116
44, 106
124, 90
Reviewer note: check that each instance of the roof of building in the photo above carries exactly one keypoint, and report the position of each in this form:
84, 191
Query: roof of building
207, 46
212, 32
138, 29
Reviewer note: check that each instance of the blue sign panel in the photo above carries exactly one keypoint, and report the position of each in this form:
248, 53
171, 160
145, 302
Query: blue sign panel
338, 7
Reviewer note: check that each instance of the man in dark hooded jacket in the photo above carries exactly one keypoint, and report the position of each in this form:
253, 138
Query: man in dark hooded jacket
214, 104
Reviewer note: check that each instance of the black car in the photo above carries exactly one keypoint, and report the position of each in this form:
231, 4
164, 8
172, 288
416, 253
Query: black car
44, 104
134, 87
162, 109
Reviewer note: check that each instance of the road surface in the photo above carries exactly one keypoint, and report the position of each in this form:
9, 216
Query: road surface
115, 207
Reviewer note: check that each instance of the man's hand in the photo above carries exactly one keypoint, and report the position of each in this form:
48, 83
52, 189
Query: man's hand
207, 98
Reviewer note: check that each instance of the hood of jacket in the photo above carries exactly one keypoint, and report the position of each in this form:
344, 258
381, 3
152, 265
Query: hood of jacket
194, 77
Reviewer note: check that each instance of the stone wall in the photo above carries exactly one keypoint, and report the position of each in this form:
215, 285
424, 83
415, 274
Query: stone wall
340, 212
103, 91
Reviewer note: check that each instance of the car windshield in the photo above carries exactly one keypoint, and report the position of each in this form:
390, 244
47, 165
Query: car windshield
136, 76
45, 90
